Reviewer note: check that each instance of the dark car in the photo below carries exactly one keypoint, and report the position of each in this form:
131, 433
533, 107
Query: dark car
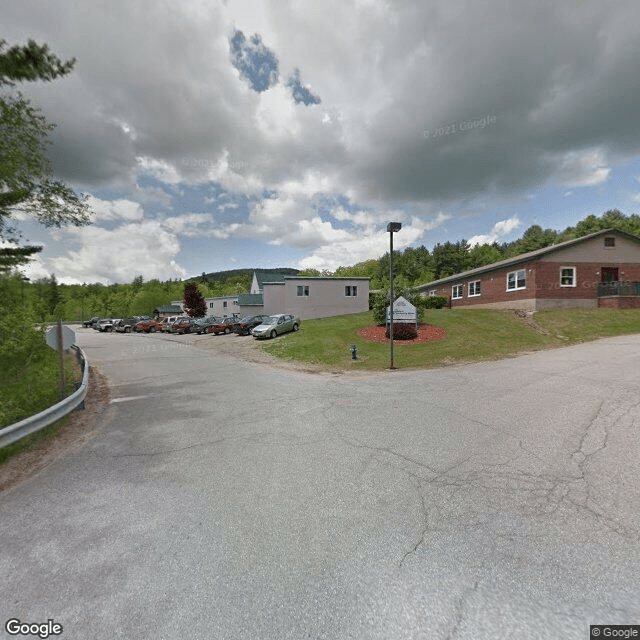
90, 323
126, 325
182, 325
201, 324
243, 328
226, 326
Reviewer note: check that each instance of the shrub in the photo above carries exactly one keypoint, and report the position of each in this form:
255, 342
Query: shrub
403, 331
433, 302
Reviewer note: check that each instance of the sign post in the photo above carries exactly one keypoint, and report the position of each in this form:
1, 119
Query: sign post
60, 338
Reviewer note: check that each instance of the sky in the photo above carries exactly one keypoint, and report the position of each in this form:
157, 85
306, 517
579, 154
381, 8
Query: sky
223, 135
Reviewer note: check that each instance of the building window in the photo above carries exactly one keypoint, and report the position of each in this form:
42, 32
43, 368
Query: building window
433, 292
350, 291
567, 276
474, 288
211, 305
303, 290
224, 304
516, 280
609, 241
456, 292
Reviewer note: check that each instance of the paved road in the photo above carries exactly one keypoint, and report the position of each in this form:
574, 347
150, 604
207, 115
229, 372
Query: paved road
220, 500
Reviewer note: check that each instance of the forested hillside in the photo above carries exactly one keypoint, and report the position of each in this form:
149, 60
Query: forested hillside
50, 300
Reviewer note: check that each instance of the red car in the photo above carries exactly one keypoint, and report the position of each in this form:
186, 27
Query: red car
148, 326
226, 326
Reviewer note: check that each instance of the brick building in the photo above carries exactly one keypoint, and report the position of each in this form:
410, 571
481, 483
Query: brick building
601, 269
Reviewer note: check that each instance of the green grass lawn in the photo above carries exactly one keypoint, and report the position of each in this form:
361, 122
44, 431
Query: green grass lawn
472, 335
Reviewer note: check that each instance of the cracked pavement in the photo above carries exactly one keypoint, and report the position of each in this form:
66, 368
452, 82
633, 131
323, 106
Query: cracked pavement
219, 498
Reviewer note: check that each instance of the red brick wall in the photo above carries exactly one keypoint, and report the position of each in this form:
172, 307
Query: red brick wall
494, 288
543, 282
619, 302
587, 275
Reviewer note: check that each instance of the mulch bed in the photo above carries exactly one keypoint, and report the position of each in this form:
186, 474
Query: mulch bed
426, 332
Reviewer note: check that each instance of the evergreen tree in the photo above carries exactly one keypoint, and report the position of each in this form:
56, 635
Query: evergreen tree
26, 181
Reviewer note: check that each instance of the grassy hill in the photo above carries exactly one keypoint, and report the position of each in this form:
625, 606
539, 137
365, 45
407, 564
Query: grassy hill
472, 335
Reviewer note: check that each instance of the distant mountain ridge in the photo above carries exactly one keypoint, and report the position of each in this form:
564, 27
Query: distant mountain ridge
223, 275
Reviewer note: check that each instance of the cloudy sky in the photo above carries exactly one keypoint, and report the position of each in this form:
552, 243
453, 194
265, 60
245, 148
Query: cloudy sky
220, 135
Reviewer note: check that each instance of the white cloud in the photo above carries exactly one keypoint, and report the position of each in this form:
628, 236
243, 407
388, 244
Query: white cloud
115, 209
118, 255
583, 168
188, 224
499, 231
364, 244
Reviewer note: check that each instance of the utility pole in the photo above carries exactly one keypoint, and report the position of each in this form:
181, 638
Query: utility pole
391, 227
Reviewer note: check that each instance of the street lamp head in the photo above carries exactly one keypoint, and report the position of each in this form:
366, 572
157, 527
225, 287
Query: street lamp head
394, 226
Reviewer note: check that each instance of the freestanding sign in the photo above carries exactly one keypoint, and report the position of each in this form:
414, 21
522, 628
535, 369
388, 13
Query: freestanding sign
60, 338
68, 337
403, 312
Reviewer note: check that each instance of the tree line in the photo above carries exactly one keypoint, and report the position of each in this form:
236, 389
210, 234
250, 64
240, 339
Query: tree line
418, 265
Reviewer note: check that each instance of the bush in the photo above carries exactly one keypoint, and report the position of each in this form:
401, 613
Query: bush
29, 369
433, 302
402, 331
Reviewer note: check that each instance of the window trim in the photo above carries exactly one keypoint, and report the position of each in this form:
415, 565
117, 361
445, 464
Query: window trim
459, 289
351, 291
516, 272
470, 287
574, 277
612, 242
302, 291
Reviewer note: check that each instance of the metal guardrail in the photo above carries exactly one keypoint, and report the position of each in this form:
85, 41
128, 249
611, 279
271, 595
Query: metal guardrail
618, 289
15, 432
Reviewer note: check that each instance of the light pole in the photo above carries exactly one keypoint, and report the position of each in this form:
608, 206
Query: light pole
391, 227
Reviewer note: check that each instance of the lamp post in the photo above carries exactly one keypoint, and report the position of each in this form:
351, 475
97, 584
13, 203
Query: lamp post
391, 227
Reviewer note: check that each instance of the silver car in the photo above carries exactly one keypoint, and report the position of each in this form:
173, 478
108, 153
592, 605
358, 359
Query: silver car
275, 325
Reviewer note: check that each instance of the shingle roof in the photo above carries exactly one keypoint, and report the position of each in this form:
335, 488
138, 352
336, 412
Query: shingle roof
263, 277
523, 257
168, 308
250, 299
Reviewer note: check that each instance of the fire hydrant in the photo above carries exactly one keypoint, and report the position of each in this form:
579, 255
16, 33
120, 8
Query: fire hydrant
354, 352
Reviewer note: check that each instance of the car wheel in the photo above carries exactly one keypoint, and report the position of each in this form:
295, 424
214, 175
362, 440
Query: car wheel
274, 334
152, 330
295, 327
227, 330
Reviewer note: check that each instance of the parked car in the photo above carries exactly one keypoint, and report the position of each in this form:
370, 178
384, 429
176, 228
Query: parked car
167, 322
243, 328
275, 325
181, 325
201, 324
126, 325
225, 326
106, 324
148, 326
90, 323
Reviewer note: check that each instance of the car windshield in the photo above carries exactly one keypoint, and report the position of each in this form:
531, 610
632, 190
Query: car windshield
271, 320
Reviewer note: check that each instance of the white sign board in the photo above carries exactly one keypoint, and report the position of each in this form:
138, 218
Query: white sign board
403, 311
68, 337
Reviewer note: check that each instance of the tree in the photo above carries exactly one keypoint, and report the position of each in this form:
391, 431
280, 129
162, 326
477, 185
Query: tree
26, 181
194, 302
